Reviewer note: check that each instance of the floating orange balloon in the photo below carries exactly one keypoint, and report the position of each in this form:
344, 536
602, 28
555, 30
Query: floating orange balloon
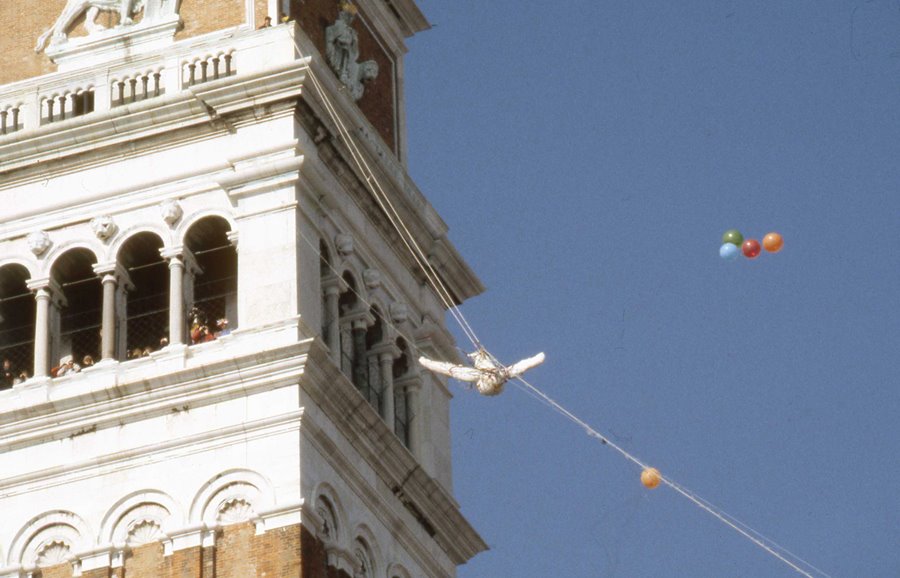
773, 242
650, 478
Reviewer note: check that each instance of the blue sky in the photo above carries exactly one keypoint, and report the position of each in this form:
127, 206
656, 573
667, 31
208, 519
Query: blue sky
588, 157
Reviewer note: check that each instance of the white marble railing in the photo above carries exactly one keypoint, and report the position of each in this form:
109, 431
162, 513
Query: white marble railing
60, 96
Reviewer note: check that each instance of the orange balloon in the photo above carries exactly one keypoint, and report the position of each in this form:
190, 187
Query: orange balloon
773, 242
650, 477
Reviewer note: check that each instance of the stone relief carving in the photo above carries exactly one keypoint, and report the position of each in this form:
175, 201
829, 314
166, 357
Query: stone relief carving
127, 10
171, 212
399, 312
38, 242
344, 244
53, 553
235, 510
104, 227
342, 50
372, 278
144, 532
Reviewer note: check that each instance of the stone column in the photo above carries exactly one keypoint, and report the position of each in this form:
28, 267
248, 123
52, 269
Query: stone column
42, 334
45, 294
115, 282
386, 362
176, 300
414, 409
331, 325
359, 327
108, 324
182, 268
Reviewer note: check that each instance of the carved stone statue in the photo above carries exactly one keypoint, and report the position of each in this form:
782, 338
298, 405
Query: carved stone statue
38, 242
104, 227
342, 50
126, 9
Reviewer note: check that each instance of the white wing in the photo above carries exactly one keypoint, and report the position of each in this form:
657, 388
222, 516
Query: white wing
517, 369
460, 372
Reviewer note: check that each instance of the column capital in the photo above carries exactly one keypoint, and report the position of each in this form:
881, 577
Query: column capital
49, 287
411, 382
359, 320
332, 284
116, 271
387, 351
184, 255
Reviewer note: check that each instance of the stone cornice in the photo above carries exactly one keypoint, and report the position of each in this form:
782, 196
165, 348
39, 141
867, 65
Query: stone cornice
427, 501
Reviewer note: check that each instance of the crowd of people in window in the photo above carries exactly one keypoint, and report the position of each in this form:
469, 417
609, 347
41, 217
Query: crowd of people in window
10, 376
200, 330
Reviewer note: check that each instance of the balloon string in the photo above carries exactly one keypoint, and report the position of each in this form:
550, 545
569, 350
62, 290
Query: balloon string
739, 527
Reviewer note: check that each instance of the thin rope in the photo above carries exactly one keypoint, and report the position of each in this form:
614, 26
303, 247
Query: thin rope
394, 217
743, 529
434, 279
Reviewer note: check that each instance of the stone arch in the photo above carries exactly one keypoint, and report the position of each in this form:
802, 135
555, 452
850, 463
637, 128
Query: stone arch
99, 252
397, 570
124, 235
145, 317
49, 539
30, 265
17, 324
214, 290
78, 334
325, 496
188, 221
139, 516
366, 554
232, 496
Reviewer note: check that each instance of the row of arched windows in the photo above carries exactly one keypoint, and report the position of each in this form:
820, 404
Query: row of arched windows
368, 350
72, 327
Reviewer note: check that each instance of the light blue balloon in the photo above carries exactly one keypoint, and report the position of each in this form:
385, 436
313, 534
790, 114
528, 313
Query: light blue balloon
729, 252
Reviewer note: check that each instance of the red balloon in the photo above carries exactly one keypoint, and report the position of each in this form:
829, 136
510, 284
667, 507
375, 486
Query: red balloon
751, 248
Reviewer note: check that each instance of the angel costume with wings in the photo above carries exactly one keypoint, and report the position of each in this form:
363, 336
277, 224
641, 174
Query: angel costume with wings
488, 376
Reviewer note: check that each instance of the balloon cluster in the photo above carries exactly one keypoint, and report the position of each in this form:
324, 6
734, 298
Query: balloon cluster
733, 245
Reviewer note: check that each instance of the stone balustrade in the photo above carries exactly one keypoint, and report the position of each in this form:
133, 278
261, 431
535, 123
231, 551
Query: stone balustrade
62, 96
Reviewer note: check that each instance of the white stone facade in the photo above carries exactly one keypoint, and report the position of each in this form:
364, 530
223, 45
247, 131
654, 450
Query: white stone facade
260, 424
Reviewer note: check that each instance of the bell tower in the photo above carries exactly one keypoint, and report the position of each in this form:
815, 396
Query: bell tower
209, 323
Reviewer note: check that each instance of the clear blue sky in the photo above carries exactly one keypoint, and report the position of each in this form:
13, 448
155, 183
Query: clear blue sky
588, 157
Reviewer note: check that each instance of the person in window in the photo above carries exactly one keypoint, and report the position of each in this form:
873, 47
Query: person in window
222, 328
67, 366
7, 374
21, 378
88, 361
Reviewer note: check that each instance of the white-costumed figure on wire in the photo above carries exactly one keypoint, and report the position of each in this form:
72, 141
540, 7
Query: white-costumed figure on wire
488, 376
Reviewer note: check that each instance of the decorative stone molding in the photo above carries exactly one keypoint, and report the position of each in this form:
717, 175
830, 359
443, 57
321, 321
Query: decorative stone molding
372, 278
235, 510
154, 11
399, 312
144, 532
104, 227
344, 244
38, 242
171, 211
53, 553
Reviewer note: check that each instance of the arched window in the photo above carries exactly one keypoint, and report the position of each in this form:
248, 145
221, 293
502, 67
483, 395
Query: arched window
348, 304
78, 332
363, 555
16, 326
324, 273
403, 414
147, 302
372, 388
215, 288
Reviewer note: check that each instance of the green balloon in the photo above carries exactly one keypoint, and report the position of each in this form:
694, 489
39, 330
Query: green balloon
733, 236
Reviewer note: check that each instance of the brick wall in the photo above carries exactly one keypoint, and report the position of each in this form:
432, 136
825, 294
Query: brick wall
291, 552
378, 100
